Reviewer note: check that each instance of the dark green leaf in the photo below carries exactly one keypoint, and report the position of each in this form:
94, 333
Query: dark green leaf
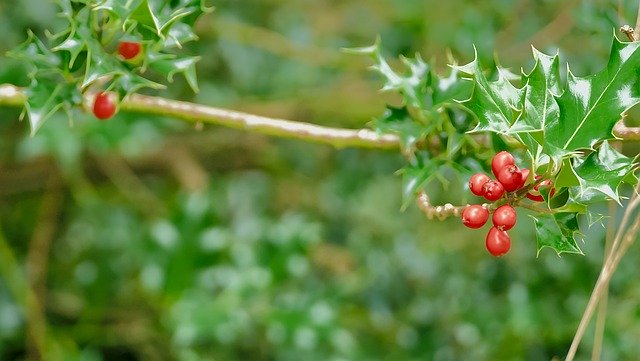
557, 231
590, 106
168, 67
497, 104
45, 97
600, 175
400, 122
416, 176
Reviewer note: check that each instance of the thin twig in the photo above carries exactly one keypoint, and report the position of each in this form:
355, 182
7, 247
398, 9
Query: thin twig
15, 280
621, 243
636, 32
622, 131
601, 317
190, 112
37, 264
439, 212
132, 187
197, 114
628, 31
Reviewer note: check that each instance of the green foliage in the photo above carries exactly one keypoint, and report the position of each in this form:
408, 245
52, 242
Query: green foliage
83, 56
119, 285
562, 128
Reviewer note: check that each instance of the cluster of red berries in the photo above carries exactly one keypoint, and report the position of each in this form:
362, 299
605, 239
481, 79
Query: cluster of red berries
509, 178
104, 104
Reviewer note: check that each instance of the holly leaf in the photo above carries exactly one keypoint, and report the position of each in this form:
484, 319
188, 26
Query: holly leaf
418, 84
557, 232
73, 45
121, 9
416, 176
131, 83
45, 96
37, 54
169, 65
160, 15
446, 90
412, 85
399, 121
496, 104
600, 175
179, 34
540, 107
590, 106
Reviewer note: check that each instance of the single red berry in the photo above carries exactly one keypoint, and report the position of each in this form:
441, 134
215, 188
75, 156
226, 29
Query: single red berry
129, 49
103, 106
501, 160
498, 242
535, 198
535, 195
525, 175
504, 218
510, 177
493, 190
476, 183
475, 216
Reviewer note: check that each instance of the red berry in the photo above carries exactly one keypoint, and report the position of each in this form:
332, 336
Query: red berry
498, 242
500, 161
510, 177
475, 216
103, 106
525, 175
476, 183
534, 195
129, 49
535, 198
493, 190
546, 183
504, 218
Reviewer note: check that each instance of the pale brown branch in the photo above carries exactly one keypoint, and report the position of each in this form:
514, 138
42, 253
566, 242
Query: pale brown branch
132, 187
37, 264
601, 317
628, 31
186, 168
202, 114
17, 283
624, 132
191, 112
622, 242
439, 212
636, 32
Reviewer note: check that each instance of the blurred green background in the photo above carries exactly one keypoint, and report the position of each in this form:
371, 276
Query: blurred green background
145, 239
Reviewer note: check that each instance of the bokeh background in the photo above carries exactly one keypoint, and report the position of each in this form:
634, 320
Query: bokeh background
145, 239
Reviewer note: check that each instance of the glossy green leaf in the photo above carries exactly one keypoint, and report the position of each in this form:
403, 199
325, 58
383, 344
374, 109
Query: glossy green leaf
179, 34
416, 176
399, 121
419, 85
566, 177
164, 13
45, 97
37, 54
83, 54
600, 175
557, 232
447, 89
121, 9
591, 105
169, 66
541, 84
540, 107
497, 104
